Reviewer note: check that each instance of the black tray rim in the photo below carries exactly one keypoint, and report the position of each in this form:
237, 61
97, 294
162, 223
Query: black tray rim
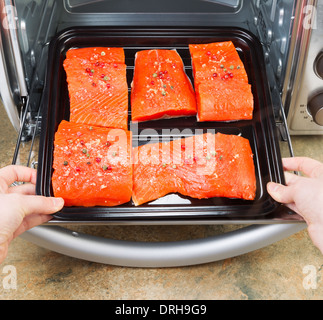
111, 214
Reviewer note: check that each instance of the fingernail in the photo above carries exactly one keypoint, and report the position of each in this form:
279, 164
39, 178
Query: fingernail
58, 202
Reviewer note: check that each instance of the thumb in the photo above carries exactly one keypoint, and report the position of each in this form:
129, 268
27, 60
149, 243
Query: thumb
40, 204
280, 193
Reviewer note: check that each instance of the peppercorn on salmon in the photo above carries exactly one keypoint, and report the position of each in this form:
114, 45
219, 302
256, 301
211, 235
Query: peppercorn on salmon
92, 165
201, 166
160, 87
97, 86
221, 83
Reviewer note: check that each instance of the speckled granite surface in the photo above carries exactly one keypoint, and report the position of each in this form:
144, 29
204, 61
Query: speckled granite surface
278, 271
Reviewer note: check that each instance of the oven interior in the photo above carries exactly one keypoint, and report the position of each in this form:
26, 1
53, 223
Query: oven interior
37, 22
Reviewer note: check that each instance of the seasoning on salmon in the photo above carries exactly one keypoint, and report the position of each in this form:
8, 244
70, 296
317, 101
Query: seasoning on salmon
221, 83
92, 165
97, 86
160, 87
202, 166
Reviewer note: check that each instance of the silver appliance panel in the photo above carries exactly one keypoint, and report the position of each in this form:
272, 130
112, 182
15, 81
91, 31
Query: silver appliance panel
305, 115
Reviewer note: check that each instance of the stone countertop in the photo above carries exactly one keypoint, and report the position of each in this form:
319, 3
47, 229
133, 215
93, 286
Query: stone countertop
278, 271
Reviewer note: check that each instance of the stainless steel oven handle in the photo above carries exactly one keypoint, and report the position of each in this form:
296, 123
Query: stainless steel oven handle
159, 254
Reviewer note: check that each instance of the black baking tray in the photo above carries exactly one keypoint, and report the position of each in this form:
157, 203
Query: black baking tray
173, 208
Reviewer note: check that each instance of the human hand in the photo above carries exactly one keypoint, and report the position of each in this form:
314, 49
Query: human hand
303, 194
21, 209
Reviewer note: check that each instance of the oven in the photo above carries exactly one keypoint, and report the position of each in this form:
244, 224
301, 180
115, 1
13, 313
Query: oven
281, 39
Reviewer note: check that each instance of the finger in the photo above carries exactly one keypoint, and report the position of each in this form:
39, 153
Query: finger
28, 189
30, 222
280, 193
308, 166
13, 173
291, 178
3, 186
37, 204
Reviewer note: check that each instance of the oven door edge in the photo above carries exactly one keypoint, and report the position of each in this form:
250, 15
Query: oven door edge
14, 89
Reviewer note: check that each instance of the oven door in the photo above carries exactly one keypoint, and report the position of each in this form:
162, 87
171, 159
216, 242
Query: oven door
22, 96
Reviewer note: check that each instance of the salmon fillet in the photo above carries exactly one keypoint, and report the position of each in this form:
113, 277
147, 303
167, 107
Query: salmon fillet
92, 165
97, 86
221, 83
202, 166
160, 87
